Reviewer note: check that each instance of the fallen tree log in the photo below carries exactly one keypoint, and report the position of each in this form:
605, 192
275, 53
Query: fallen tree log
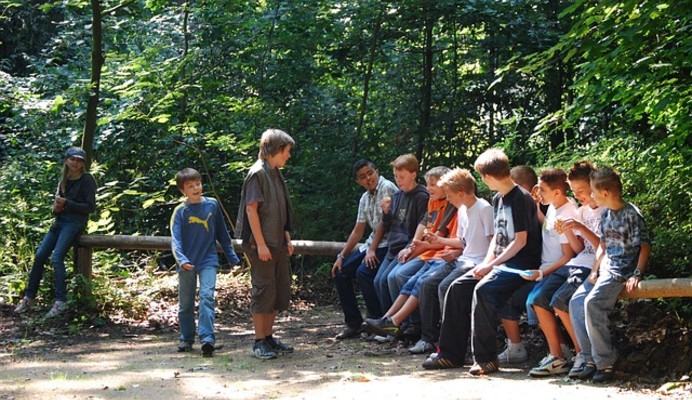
647, 289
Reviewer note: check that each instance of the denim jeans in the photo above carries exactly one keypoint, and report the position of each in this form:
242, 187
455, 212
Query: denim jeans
400, 274
489, 297
588, 311
381, 284
344, 282
55, 245
187, 288
366, 283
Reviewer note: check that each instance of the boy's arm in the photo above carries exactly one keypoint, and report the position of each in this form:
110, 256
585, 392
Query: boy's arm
644, 253
224, 238
600, 252
177, 241
570, 225
253, 218
353, 238
520, 240
289, 243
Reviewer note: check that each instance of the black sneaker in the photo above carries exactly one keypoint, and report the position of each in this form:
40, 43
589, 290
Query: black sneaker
262, 350
587, 372
184, 347
603, 375
438, 362
384, 326
348, 333
277, 346
208, 349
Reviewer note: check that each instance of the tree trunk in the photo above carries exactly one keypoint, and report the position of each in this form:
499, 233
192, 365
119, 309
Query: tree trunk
366, 83
426, 95
97, 61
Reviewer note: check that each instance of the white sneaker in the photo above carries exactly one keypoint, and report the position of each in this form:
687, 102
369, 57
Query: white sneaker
551, 366
566, 354
57, 309
24, 305
514, 353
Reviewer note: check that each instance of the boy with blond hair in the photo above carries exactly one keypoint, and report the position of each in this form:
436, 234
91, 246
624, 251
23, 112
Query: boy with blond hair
621, 258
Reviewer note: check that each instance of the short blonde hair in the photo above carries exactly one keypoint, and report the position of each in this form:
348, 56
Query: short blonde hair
409, 162
458, 180
436, 173
273, 141
493, 162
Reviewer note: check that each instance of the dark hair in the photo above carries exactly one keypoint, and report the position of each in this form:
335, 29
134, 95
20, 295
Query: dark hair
358, 165
606, 178
493, 162
581, 171
523, 175
555, 178
185, 175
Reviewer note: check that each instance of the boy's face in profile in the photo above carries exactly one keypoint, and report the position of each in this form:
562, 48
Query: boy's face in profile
192, 189
405, 179
281, 158
456, 198
436, 192
582, 191
367, 177
548, 195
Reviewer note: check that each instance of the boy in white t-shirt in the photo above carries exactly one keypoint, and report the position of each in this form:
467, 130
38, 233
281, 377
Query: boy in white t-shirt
555, 255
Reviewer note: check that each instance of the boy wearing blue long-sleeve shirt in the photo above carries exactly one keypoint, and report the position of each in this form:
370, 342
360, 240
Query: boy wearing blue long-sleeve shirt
196, 225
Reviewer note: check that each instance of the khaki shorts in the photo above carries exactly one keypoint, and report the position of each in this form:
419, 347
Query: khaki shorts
271, 282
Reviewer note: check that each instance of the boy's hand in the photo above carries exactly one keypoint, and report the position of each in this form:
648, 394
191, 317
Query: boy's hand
187, 267
404, 254
632, 283
263, 253
570, 224
371, 260
481, 270
385, 204
535, 274
593, 277
337, 266
291, 249
450, 255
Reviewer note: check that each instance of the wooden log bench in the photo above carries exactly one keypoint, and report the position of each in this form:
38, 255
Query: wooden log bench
647, 289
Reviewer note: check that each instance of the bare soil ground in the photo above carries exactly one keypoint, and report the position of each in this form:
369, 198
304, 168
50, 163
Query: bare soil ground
126, 361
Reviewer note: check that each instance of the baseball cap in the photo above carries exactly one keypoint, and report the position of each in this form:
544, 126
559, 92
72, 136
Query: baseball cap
75, 152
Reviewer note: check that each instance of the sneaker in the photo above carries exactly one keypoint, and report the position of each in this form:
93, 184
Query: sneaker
277, 346
207, 349
24, 305
577, 367
603, 375
383, 339
552, 366
184, 347
348, 333
514, 353
484, 368
412, 332
438, 362
57, 309
421, 347
587, 372
384, 326
262, 350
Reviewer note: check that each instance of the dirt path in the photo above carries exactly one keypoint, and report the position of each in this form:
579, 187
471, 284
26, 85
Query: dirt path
114, 364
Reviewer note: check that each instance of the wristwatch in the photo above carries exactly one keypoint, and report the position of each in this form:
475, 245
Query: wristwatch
637, 273
339, 256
